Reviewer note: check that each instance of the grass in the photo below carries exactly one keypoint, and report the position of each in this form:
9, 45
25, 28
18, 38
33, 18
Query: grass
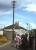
3, 39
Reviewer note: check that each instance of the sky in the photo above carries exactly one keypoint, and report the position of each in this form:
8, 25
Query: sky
25, 12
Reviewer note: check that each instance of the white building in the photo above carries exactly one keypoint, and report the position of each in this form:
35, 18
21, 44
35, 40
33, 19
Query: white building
1, 32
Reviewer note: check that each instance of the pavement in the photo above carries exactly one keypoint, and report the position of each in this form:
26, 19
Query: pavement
11, 46
8, 48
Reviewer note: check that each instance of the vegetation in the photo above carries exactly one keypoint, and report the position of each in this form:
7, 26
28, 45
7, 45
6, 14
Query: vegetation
3, 39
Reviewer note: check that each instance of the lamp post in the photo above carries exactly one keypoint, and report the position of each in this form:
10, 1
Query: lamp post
13, 6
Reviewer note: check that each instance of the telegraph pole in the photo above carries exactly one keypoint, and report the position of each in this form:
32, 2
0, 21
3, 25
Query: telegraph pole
13, 6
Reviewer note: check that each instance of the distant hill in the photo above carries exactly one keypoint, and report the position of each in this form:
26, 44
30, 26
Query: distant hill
16, 27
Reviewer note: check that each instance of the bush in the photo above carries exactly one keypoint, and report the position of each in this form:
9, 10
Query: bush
3, 39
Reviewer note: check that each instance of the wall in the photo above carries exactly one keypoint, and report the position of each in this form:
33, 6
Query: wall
8, 34
1, 32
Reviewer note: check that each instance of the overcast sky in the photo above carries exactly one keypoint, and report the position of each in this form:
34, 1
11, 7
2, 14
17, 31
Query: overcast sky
25, 12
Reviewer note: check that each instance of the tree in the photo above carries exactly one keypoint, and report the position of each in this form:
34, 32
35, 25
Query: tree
17, 25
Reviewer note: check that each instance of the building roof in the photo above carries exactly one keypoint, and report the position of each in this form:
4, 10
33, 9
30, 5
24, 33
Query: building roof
16, 27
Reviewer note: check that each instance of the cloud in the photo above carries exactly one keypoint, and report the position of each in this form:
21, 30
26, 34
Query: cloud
19, 3
5, 1
4, 7
31, 8
22, 3
27, 5
5, 13
33, 25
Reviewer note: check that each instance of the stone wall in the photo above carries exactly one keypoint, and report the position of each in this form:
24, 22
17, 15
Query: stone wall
8, 34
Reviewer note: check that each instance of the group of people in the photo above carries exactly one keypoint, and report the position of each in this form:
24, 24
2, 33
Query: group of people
22, 41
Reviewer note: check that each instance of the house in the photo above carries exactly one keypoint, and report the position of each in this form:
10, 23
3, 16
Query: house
8, 31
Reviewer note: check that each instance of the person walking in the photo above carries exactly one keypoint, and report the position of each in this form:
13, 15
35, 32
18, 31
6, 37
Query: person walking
17, 39
23, 41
